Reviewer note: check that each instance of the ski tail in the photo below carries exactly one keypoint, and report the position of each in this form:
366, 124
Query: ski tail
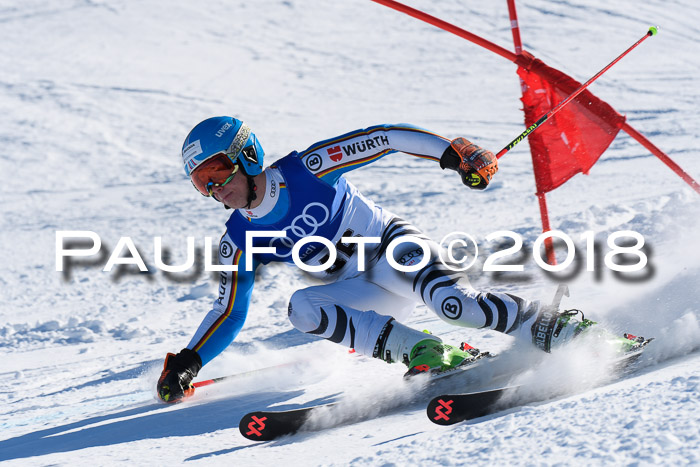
449, 409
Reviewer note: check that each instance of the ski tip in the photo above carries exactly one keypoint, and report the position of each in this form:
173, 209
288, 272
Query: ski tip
653, 30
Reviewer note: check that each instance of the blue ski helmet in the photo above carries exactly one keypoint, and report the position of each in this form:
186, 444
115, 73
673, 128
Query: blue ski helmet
223, 134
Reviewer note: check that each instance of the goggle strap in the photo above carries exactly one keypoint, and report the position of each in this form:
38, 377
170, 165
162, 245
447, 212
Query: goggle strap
238, 142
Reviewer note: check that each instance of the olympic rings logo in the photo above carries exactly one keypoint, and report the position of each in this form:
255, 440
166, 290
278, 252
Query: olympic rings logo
299, 226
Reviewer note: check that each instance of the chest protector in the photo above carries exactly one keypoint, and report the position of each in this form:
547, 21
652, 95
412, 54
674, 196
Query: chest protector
309, 212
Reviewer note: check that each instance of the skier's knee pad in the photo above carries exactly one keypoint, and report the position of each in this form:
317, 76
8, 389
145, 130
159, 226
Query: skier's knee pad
301, 313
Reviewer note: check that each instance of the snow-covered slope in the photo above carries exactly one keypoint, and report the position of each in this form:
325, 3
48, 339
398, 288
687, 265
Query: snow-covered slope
96, 99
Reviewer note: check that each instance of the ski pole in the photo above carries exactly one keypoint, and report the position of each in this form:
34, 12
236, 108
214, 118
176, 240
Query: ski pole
245, 374
652, 32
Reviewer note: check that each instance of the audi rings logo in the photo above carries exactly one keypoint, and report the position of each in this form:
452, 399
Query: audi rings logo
452, 308
305, 224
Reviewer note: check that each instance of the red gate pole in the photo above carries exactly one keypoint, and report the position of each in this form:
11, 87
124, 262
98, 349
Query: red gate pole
544, 213
663, 157
464, 34
548, 245
515, 29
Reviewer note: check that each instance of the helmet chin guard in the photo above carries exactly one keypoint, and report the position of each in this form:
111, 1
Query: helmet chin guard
252, 191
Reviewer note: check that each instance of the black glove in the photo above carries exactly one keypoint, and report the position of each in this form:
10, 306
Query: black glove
475, 165
178, 372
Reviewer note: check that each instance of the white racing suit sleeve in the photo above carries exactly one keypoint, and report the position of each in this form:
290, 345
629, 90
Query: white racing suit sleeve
333, 157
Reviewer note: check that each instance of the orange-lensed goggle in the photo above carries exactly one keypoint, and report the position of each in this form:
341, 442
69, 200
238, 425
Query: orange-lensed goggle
217, 171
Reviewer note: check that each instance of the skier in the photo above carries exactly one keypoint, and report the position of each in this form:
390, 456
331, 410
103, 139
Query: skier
305, 194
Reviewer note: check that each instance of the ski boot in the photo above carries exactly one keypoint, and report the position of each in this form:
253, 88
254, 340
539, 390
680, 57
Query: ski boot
434, 356
552, 329
420, 351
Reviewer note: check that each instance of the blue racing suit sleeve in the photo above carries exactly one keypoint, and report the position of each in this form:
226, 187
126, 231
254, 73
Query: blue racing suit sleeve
223, 323
331, 158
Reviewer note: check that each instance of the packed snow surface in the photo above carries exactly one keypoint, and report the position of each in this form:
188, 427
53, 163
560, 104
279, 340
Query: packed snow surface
97, 98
